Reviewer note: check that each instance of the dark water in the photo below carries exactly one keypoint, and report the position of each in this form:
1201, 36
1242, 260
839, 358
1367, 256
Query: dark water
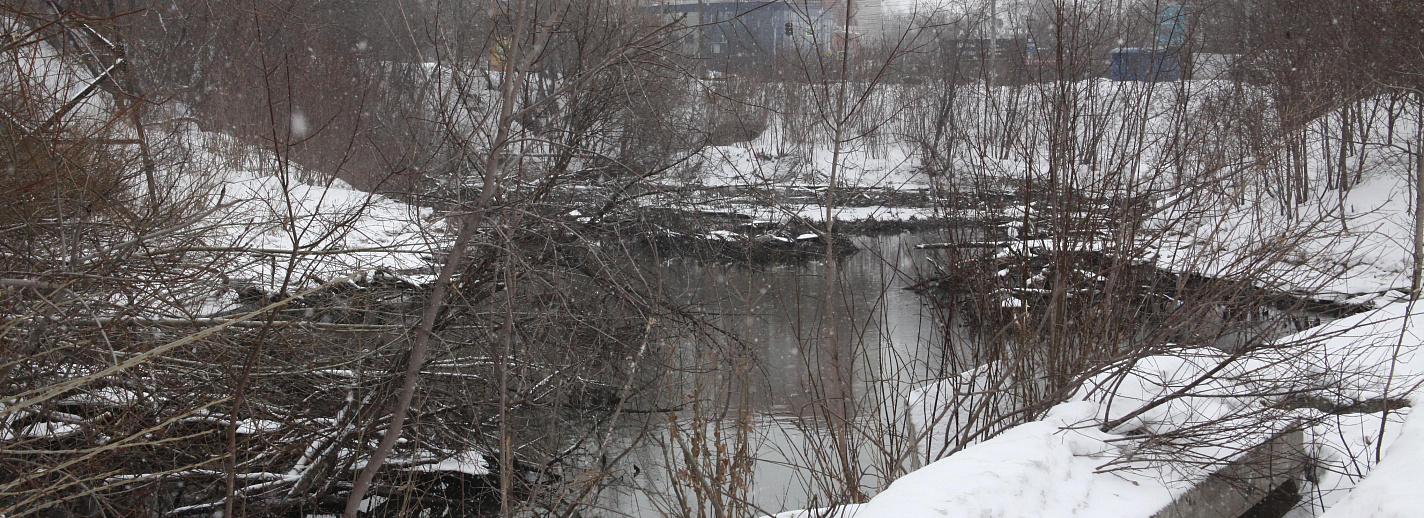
760, 384
761, 388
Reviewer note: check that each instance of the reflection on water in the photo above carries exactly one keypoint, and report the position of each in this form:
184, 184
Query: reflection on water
764, 380
763, 428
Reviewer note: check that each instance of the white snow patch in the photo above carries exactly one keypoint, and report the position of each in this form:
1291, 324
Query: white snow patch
1046, 468
1392, 489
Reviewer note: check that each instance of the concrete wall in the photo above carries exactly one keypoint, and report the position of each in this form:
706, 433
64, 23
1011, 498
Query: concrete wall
1236, 488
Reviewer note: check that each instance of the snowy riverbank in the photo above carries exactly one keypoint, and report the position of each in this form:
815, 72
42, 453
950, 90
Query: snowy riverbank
1217, 407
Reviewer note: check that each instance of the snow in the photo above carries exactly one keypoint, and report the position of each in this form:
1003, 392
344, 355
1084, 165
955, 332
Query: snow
1046, 468
1350, 246
815, 213
39, 430
268, 212
1341, 244
300, 128
1392, 488
1343, 449
1369, 355
764, 161
467, 462
50, 78
1347, 246
1051, 467
106, 396
1383, 345
1155, 378
724, 235
244, 426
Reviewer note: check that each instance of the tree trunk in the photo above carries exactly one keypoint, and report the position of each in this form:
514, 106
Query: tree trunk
1418, 202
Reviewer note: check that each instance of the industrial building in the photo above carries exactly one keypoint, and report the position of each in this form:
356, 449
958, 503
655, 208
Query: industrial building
741, 34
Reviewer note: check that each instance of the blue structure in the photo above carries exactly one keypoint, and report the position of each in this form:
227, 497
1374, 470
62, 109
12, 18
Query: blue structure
1145, 64
737, 34
1172, 26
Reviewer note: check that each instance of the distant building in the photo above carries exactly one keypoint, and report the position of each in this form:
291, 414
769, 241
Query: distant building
741, 34
1145, 64
866, 17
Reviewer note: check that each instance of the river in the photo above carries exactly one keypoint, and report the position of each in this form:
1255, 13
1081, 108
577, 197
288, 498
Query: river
764, 428
761, 387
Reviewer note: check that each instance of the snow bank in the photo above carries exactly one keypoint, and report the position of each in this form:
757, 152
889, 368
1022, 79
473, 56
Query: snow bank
1392, 488
1342, 449
1371, 355
1339, 246
1368, 356
1346, 364
1334, 243
468, 462
1047, 468
816, 213
1179, 417
50, 78
285, 229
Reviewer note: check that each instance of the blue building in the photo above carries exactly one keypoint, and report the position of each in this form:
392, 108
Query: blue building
741, 34
1145, 64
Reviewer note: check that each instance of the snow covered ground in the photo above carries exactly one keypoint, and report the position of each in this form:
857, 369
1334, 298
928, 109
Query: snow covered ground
1392, 487
291, 230
1341, 244
1046, 468
1348, 246
288, 230
1336, 244
1217, 406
